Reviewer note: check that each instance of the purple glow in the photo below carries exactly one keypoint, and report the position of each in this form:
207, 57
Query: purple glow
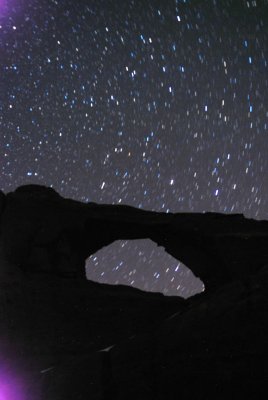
7, 392
3, 3
11, 388
3, 6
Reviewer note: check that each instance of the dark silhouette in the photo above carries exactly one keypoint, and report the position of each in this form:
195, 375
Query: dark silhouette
41, 231
53, 322
108, 384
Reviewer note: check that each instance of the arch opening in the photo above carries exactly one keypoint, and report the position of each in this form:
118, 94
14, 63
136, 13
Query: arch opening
142, 264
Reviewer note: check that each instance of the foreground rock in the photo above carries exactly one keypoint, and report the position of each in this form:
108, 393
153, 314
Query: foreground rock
62, 337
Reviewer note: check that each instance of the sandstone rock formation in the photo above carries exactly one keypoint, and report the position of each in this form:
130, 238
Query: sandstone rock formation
62, 337
41, 231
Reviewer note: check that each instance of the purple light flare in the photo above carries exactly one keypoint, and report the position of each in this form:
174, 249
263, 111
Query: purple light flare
7, 7
11, 388
3, 9
3, 4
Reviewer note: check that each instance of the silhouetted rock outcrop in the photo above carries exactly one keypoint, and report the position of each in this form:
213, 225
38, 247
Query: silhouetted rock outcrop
2, 202
62, 337
41, 231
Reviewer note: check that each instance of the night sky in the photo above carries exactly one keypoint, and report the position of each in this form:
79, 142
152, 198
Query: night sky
158, 104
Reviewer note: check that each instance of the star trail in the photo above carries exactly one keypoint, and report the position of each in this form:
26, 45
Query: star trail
161, 105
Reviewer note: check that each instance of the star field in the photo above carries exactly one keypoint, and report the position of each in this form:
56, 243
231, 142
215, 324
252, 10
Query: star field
158, 104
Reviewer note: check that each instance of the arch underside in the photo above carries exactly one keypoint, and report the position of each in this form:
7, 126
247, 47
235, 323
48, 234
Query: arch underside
144, 265
41, 231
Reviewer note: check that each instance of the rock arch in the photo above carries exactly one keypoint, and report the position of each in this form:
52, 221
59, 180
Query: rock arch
44, 232
142, 264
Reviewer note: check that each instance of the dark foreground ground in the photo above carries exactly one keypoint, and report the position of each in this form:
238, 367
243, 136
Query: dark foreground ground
212, 346
65, 338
